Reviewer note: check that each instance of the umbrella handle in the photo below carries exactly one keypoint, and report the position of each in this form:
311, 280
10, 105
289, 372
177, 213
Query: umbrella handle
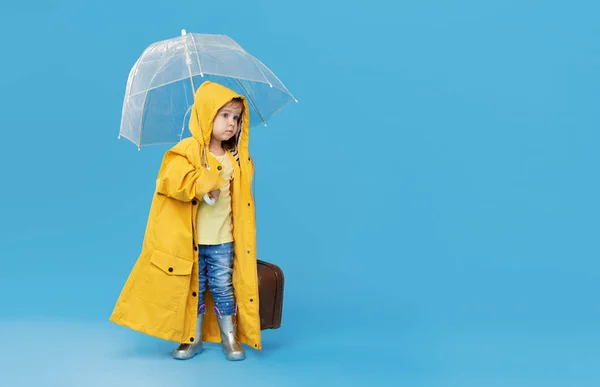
209, 200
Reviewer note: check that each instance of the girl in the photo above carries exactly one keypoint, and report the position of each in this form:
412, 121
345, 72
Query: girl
196, 278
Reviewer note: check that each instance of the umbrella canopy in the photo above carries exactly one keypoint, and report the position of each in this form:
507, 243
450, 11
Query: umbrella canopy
162, 83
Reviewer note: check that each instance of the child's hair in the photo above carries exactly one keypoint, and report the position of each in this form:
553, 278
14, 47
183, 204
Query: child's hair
231, 144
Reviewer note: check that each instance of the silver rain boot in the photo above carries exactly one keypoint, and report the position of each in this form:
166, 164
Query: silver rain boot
188, 351
232, 348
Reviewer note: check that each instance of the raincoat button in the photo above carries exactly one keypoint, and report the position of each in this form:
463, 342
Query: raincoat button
194, 294
251, 300
219, 167
194, 202
195, 248
192, 339
170, 269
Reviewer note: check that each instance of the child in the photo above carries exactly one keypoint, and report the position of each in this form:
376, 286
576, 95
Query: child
197, 269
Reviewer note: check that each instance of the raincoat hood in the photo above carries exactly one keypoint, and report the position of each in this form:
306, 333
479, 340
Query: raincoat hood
210, 97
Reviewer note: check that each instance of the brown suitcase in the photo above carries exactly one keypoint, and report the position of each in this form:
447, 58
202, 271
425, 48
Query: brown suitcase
270, 294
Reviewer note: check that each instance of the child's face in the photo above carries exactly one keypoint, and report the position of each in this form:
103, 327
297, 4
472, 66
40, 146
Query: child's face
226, 122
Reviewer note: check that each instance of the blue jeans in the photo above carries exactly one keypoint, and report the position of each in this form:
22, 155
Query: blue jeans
216, 268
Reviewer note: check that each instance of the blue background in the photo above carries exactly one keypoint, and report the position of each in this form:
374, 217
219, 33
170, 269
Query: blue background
432, 198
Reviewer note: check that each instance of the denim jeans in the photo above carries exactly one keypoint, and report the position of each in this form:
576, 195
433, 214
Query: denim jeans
215, 268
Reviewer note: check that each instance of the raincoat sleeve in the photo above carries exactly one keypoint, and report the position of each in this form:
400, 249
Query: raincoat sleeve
179, 179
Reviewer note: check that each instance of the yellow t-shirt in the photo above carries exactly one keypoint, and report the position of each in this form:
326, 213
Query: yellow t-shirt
214, 224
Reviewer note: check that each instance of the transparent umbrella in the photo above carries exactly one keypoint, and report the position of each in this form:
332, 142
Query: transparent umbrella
161, 85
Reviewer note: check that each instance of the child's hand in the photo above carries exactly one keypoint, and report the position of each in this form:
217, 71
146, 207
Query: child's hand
214, 194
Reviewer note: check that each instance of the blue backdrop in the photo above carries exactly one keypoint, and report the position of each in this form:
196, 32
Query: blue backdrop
432, 198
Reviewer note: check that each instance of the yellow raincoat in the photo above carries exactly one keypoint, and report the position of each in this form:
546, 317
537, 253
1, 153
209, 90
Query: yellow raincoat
159, 297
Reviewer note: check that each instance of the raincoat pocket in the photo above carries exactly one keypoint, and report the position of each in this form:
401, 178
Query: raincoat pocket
166, 280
